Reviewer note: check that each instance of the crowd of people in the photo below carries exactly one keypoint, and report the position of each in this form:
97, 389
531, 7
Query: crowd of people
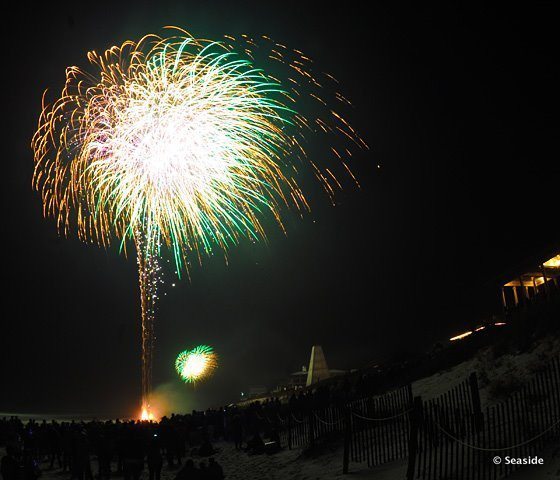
181, 443
105, 449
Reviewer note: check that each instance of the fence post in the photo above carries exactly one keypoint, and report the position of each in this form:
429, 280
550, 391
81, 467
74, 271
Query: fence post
415, 419
289, 430
410, 396
311, 429
347, 438
475, 397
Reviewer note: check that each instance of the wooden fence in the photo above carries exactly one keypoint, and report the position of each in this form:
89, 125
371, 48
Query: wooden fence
378, 428
448, 437
454, 440
299, 429
375, 429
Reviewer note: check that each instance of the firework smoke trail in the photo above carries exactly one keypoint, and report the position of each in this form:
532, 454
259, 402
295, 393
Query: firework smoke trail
149, 277
196, 364
184, 144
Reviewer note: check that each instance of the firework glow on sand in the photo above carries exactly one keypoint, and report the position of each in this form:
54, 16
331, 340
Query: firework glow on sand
186, 145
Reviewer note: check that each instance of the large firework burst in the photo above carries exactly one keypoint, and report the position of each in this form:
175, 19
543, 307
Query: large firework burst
183, 143
196, 364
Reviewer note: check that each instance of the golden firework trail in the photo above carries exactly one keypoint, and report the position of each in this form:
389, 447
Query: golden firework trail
186, 144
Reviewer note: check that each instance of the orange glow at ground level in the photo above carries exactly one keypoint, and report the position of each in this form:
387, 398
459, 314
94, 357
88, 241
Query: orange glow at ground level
146, 415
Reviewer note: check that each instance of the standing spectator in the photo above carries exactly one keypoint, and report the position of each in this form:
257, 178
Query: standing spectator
133, 462
155, 458
9, 466
237, 431
215, 470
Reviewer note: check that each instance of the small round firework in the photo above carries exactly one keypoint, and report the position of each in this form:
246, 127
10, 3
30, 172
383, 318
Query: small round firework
196, 364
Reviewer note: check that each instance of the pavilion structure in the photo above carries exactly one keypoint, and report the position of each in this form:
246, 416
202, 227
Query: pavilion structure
541, 279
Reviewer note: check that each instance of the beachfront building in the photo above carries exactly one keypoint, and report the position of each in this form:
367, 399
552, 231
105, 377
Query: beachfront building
538, 280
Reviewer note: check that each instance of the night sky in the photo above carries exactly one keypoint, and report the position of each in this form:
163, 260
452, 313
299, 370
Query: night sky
455, 103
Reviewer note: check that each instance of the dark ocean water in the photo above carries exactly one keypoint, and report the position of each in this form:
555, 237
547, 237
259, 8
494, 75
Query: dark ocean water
39, 417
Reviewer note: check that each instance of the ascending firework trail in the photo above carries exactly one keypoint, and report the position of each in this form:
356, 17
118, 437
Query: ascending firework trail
184, 144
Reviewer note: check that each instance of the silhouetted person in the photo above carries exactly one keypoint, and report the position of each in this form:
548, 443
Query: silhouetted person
81, 467
188, 472
255, 445
203, 472
155, 458
120, 446
237, 431
30, 469
104, 456
9, 466
206, 449
133, 461
54, 446
215, 470
169, 444
175, 445
66, 450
